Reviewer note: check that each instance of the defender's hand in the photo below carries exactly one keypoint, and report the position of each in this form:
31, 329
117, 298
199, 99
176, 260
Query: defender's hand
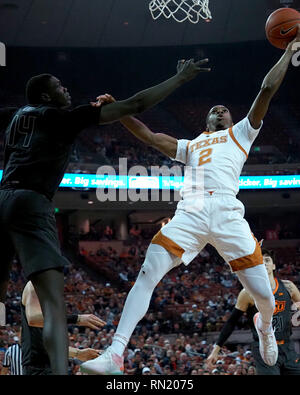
188, 69
90, 321
87, 354
103, 99
212, 358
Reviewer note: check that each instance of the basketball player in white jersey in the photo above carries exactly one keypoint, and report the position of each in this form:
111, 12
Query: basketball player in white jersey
220, 153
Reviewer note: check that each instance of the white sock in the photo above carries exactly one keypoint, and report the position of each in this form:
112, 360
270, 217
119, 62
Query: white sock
157, 263
256, 282
263, 326
119, 344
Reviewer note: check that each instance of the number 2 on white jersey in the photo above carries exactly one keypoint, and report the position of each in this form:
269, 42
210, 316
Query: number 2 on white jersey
205, 156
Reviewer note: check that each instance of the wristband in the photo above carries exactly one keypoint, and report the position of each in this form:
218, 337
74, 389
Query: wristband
72, 318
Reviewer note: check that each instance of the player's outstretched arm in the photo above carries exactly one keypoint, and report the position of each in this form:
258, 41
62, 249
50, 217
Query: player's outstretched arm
35, 317
243, 302
162, 142
270, 85
186, 71
293, 290
32, 306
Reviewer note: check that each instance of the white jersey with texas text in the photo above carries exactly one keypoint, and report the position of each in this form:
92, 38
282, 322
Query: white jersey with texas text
221, 155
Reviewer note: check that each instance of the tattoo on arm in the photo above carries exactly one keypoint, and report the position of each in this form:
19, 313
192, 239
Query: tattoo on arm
289, 286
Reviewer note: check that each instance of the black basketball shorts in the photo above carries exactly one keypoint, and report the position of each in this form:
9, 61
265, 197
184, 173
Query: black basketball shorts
28, 228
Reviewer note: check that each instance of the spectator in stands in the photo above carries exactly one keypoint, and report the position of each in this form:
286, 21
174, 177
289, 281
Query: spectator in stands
240, 370
132, 251
81, 299
251, 371
146, 371
135, 232
123, 275
108, 233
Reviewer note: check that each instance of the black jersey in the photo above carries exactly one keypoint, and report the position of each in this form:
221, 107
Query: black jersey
282, 315
33, 350
38, 145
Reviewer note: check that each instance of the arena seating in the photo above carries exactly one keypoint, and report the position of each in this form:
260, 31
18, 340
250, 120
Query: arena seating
187, 305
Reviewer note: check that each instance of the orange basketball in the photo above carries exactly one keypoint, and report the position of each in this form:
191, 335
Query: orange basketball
281, 27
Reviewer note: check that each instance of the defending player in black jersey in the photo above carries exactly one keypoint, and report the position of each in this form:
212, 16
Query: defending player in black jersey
38, 141
285, 293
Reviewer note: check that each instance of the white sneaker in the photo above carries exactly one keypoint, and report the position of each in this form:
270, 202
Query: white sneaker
267, 344
107, 363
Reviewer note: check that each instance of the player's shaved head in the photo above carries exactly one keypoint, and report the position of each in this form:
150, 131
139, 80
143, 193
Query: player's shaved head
218, 118
47, 89
218, 106
36, 86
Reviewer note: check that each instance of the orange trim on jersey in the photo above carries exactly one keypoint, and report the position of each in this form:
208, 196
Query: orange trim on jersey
279, 306
245, 262
187, 149
168, 244
236, 142
209, 132
277, 285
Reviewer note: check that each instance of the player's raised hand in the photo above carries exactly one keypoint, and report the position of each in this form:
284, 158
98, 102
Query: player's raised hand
103, 99
296, 40
189, 69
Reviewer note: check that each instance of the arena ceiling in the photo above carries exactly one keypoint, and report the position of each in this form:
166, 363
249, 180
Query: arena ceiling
126, 23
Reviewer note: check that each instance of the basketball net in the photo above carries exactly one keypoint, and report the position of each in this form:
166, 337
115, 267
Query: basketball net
181, 10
